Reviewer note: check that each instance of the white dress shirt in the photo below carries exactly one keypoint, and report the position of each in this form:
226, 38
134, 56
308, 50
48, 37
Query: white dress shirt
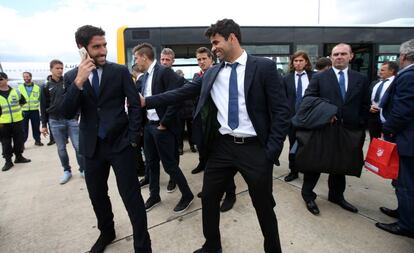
99, 70
384, 88
151, 114
220, 95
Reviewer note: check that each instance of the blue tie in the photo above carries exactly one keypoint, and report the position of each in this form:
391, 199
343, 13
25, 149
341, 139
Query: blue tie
299, 91
233, 116
378, 92
143, 80
342, 84
95, 82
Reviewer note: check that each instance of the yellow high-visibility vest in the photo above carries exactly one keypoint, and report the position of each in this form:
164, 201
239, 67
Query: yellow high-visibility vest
11, 111
32, 102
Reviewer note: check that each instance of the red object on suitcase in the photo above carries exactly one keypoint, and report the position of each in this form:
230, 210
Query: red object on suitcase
382, 158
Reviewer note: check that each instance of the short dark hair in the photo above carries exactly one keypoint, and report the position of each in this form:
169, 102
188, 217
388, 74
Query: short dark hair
3, 75
55, 62
322, 63
85, 33
224, 27
27, 72
393, 66
308, 66
144, 49
204, 50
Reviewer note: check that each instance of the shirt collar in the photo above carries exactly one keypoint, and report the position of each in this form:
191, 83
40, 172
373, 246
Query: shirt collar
241, 60
391, 78
151, 67
299, 73
343, 70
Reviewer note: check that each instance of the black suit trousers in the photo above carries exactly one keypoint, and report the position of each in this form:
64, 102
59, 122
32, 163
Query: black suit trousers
124, 164
374, 125
292, 139
336, 184
11, 136
224, 161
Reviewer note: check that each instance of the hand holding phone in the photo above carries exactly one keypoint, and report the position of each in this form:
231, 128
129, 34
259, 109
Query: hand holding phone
83, 53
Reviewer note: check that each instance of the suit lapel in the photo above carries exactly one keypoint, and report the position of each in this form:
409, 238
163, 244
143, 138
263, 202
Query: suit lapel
249, 74
291, 86
104, 78
334, 81
154, 89
207, 84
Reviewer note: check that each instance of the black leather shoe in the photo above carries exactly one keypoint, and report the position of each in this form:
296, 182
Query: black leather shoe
345, 205
7, 166
21, 159
390, 212
197, 169
172, 186
291, 176
227, 204
50, 143
312, 207
395, 229
38, 143
104, 240
205, 251
152, 202
183, 204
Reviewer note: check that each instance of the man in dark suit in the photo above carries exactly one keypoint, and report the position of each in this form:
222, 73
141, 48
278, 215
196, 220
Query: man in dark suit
295, 84
377, 90
398, 108
108, 135
242, 118
348, 90
162, 128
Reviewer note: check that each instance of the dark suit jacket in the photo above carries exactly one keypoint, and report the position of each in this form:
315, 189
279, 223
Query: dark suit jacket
352, 112
265, 101
165, 79
107, 109
289, 84
399, 113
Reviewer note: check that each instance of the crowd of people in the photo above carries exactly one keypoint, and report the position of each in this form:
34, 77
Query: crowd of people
237, 112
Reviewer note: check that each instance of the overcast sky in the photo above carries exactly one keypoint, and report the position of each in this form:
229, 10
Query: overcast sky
42, 30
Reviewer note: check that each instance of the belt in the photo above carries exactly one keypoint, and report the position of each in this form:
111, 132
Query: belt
153, 122
241, 140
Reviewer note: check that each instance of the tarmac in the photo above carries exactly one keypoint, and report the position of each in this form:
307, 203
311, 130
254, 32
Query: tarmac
37, 214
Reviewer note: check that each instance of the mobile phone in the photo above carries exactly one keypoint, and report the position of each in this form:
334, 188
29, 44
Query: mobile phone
83, 53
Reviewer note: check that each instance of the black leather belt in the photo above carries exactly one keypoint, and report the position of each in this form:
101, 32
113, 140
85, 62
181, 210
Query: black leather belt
241, 140
153, 122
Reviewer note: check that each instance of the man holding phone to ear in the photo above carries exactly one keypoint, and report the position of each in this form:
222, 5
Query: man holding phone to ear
108, 135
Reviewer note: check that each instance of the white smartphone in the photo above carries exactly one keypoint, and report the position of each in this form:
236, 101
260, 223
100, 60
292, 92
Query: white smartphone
83, 53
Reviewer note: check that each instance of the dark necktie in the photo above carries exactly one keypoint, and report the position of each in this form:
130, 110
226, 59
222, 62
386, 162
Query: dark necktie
95, 86
378, 92
342, 84
233, 115
143, 79
95, 82
299, 90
